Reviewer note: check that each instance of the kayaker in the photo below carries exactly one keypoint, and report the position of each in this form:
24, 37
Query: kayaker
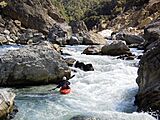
64, 84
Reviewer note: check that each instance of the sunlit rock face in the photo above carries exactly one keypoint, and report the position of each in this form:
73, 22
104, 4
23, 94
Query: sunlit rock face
43, 13
32, 65
6, 103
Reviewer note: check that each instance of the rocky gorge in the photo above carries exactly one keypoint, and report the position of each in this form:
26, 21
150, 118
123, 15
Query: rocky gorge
41, 31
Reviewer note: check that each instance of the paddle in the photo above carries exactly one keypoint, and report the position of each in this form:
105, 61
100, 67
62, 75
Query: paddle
53, 89
56, 87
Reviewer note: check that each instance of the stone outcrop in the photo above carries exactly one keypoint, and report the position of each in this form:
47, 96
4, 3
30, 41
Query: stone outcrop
6, 103
148, 97
32, 65
152, 34
130, 38
115, 48
78, 27
57, 35
92, 38
37, 14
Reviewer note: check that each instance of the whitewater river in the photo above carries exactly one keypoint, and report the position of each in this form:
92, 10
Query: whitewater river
106, 93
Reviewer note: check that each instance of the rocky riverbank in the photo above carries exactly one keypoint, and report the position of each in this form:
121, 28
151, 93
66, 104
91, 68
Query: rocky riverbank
42, 30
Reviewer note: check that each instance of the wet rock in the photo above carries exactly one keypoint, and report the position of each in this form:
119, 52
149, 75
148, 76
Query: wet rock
92, 38
26, 11
82, 66
32, 65
70, 61
116, 48
83, 117
93, 50
148, 97
126, 57
6, 103
74, 40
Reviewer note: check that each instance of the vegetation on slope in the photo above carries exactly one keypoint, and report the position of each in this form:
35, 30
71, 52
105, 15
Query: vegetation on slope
95, 12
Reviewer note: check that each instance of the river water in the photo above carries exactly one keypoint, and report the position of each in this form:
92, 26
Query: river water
107, 92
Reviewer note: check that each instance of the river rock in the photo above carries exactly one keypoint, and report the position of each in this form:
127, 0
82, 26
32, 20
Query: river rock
91, 38
29, 12
6, 103
93, 50
116, 48
57, 35
148, 97
82, 66
70, 61
130, 38
74, 40
30, 36
84, 117
32, 65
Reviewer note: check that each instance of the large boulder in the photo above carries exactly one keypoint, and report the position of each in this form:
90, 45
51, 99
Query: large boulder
85, 67
148, 80
116, 48
130, 38
29, 12
152, 33
6, 103
93, 50
32, 65
91, 38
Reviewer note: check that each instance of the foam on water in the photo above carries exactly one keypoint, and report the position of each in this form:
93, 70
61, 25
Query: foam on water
107, 92
5, 48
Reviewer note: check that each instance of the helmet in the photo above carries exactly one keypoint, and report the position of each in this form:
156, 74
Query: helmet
64, 78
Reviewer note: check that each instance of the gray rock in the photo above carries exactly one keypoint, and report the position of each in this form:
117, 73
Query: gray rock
148, 97
6, 103
3, 39
129, 38
152, 33
93, 50
70, 61
115, 48
74, 40
78, 26
91, 38
32, 65
7, 32
83, 117
57, 34
28, 12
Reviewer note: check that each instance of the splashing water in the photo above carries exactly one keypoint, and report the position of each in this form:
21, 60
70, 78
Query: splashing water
107, 92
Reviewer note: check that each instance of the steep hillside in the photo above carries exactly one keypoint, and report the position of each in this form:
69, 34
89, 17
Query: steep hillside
110, 13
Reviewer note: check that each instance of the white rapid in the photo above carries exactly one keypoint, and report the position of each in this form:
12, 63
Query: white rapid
107, 92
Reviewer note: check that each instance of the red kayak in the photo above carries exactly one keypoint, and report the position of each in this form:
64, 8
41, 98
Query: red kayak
65, 91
